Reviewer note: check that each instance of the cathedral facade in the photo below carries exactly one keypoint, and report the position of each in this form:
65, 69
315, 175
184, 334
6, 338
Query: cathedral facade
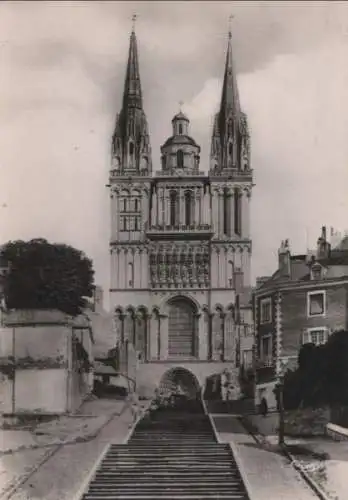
180, 243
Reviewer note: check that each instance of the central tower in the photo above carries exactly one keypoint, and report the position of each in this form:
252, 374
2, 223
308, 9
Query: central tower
180, 242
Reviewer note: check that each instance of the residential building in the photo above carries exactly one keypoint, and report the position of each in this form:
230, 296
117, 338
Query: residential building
304, 301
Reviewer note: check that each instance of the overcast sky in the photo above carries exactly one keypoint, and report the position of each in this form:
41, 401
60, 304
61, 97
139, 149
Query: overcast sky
62, 73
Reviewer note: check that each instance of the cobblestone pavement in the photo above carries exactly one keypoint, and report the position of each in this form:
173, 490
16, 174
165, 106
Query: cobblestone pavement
268, 475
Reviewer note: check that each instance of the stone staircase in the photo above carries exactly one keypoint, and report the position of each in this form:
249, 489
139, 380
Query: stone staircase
170, 455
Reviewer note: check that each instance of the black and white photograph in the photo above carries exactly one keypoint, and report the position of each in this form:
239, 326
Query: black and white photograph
174, 250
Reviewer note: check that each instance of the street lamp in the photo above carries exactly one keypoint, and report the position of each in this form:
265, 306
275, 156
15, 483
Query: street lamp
280, 399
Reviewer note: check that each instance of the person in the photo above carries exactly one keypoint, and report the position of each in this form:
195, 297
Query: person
263, 407
133, 405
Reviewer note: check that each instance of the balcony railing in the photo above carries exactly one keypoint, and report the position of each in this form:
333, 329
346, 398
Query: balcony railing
165, 229
264, 363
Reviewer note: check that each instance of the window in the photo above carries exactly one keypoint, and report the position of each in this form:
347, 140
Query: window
231, 273
131, 148
180, 159
180, 128
123, 223
131, 274
266, 311
124, 205
188, 208
317, 336
237, 212
137, 224
136, 205
230, 148
266, 349
316, 304
316, 272
173, 208
226, 212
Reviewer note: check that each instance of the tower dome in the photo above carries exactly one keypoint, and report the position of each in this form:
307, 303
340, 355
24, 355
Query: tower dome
180, 151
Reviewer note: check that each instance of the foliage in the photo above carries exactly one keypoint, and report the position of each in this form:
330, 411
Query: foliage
47, 276
321, 377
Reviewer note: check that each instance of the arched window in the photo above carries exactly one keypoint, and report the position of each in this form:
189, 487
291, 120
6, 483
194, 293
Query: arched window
226, 212
180, 158
230, 148
174, 208
188, 208
131, 148
237, 212
180, 128
181, 329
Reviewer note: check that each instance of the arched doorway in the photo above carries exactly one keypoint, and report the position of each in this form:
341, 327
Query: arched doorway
182, 319
182, 379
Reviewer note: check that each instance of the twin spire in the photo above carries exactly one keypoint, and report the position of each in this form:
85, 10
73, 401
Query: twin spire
131, 122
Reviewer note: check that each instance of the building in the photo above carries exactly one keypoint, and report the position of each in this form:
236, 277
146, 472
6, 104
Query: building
304, 301
180, 238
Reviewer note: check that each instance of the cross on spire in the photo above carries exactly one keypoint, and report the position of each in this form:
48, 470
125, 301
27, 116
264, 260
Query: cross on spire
231, 17
134, 18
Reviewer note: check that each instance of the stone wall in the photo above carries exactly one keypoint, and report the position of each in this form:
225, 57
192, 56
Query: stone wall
307, 422
37, 374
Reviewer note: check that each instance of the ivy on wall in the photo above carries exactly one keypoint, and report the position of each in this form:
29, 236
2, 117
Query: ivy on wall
9, 365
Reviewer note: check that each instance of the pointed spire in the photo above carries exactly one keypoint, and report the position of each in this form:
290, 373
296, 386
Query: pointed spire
132, 96
230, 95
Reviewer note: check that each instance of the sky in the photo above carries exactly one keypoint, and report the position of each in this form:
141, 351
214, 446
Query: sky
62, 75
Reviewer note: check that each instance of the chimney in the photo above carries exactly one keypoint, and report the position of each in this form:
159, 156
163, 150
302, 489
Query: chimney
323, 246
284, 258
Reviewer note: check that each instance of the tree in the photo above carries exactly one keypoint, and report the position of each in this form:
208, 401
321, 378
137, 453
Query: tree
47, 276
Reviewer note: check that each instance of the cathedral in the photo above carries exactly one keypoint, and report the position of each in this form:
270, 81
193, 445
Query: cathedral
180, 244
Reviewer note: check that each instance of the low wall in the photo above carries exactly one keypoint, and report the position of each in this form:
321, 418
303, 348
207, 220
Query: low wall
337, 432
307, 422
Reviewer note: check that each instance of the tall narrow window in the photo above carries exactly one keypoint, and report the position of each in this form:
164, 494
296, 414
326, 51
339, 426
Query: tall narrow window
180, 128
230, 148
188, 208
227, 212
173, 208
237, 212
131, 275
180, 158
136, 205
131, 148
124, 205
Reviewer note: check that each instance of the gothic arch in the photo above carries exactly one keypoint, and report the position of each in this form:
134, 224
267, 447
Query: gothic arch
181, 378
182, 328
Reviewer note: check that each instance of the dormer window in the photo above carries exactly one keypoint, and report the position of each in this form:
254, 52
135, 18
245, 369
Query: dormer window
316, 272
180, 128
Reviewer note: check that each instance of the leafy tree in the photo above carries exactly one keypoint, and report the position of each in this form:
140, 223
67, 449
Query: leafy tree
47, 276
322, 375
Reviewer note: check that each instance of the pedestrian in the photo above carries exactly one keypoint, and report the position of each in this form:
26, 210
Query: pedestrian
263, 407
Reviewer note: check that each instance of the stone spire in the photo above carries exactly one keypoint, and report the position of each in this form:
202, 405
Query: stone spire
230, 124
230, 97
131, 150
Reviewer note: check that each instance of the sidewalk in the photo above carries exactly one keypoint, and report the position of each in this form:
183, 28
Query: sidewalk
66, 464
324, 460
267, 474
